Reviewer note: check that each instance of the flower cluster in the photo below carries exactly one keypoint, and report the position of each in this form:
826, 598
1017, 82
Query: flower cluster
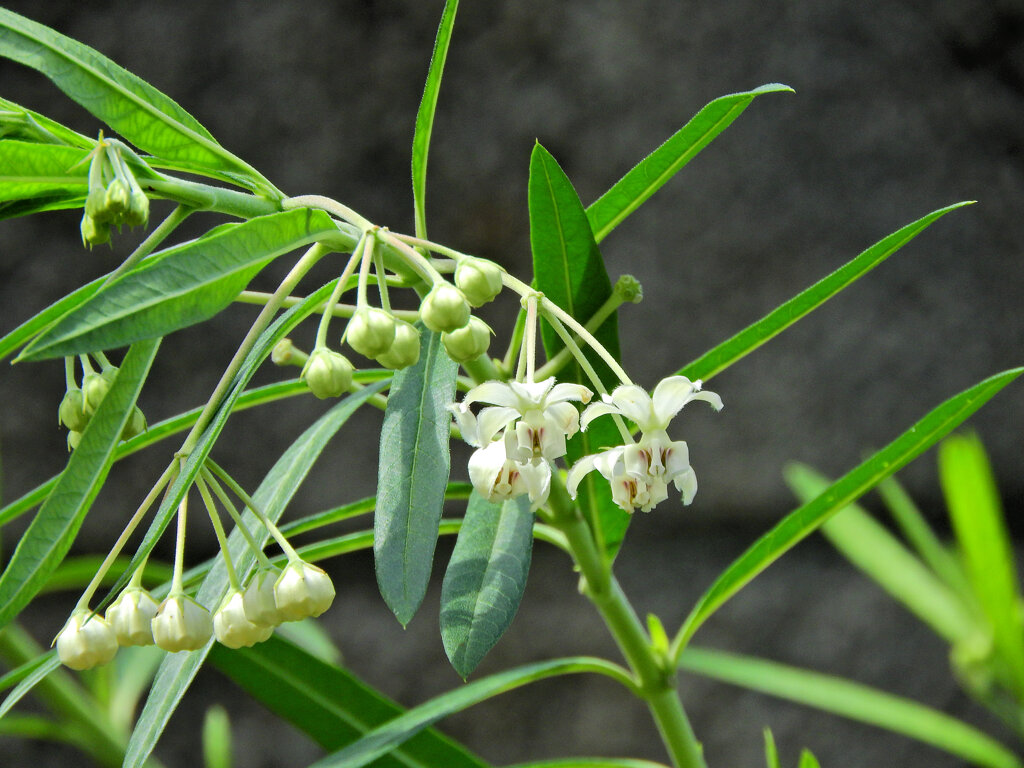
114, 197
180, 623
80, 402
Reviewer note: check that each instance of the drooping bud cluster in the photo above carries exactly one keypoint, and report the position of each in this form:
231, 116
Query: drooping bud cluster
114, 197
80, 403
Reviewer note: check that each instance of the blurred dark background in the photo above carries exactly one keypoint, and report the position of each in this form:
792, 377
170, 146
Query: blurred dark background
900, 108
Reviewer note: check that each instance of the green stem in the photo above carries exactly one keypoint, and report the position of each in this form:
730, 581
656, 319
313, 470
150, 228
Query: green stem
260, 298
179, 547
147, 246
218, 529
556, 363
206, 197
333, 207
69, 374
339, 288
221, 494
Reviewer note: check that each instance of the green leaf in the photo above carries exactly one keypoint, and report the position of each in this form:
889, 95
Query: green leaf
12, 209
569, 270
329, 703
180, 286
753, 336
49, 537
798, 524
485, 579
178, 669
591, 762
129, 105
852, 700
771, 754
40, 669
385, 738
658, 167
24, 124
412, 476
808, 760
19, 673
29, 170
869, 546
216, 738
980, 526
425, 114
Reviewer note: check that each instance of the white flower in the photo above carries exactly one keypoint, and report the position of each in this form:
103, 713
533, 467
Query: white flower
86, 641
131, 616
651, 413
303, 590
181, 624
258, 600
233, 628
498, 478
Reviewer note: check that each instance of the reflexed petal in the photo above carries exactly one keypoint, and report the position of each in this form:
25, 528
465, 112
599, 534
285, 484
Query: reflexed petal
495, 392
609, 463
582, 466
537, 478
635, 404
562, 392
492, 420
594, 410
686, 483
467, 423
565, 417
710, 398
670, 396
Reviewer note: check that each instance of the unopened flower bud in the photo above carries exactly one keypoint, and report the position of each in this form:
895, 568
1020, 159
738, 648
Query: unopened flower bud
136, 424
96, 206
74, 438
405, 350
117, 198
469, 342
94, 232
137, 214
94, 387
371, 331
131, 616
72, 411
86, 641
303, 590
181, 624
328, 373
258, 600
286, 353
444, 309
233, 628
479, 280
629, 289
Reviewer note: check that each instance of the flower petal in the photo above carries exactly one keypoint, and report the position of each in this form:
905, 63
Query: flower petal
563, 392
581, 467
484, 467
670, 396
495, 392
635, 404
492, 420
537, 478
467, 423
565, 417
686, 483
531, 394
594, 410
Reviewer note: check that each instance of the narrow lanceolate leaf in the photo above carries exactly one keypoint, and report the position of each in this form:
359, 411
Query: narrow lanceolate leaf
180, 286
29, 170
49, 537
61, 201
177, 670
136, 110
17, 122
330, 704
869, 546
425, 115
382, 740
852, 700
591, 762
485, 578
413, 475
985, 545
658, 167
569, 270
753, 336
798, 524
41, 668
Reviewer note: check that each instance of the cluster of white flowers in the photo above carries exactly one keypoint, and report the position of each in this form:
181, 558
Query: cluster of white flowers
525, 428
179, 623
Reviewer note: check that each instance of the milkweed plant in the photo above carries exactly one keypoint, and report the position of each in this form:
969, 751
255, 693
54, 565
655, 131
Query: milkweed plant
566, 446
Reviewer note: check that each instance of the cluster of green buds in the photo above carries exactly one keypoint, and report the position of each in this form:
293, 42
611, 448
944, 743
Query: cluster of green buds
81, 402
246, 615
114, 196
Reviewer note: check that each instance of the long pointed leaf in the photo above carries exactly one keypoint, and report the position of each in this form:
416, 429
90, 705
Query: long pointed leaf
180, 286
330, 704
852, 700
425, 114
804, 520
177, 670
569, 270
485, 579
49, 537
41, 668
753, 336
591, 762
30, 170
412, 476
33, 126
138, 111
653, 171
385, 738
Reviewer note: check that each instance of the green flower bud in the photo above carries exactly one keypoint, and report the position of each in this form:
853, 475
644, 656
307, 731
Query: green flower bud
629, 288
286, 353
405, 350
74, 438
258, 600
95, 387
94, 232
328, 373
131, 617
444, 309
469, 342
117, 198
96, 206
86, 641
303, 590
233, 628
181, 624
136, 424
137, 214
72, 411
479, 280
371, 331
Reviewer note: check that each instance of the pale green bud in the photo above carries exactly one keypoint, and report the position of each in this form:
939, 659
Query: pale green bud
181, 624
233, 628
328, 373
72, 411
405, 350
468, 342
86, 641
479, 280
131, 617
371, 331
136, 424
258, 600
74, 438
94, 232
137, 214
95, 387
286, 353
303, 590
96, 206
117, 198
444, 309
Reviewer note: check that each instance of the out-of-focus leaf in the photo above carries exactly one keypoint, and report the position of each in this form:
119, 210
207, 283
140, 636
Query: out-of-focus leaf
217, 738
